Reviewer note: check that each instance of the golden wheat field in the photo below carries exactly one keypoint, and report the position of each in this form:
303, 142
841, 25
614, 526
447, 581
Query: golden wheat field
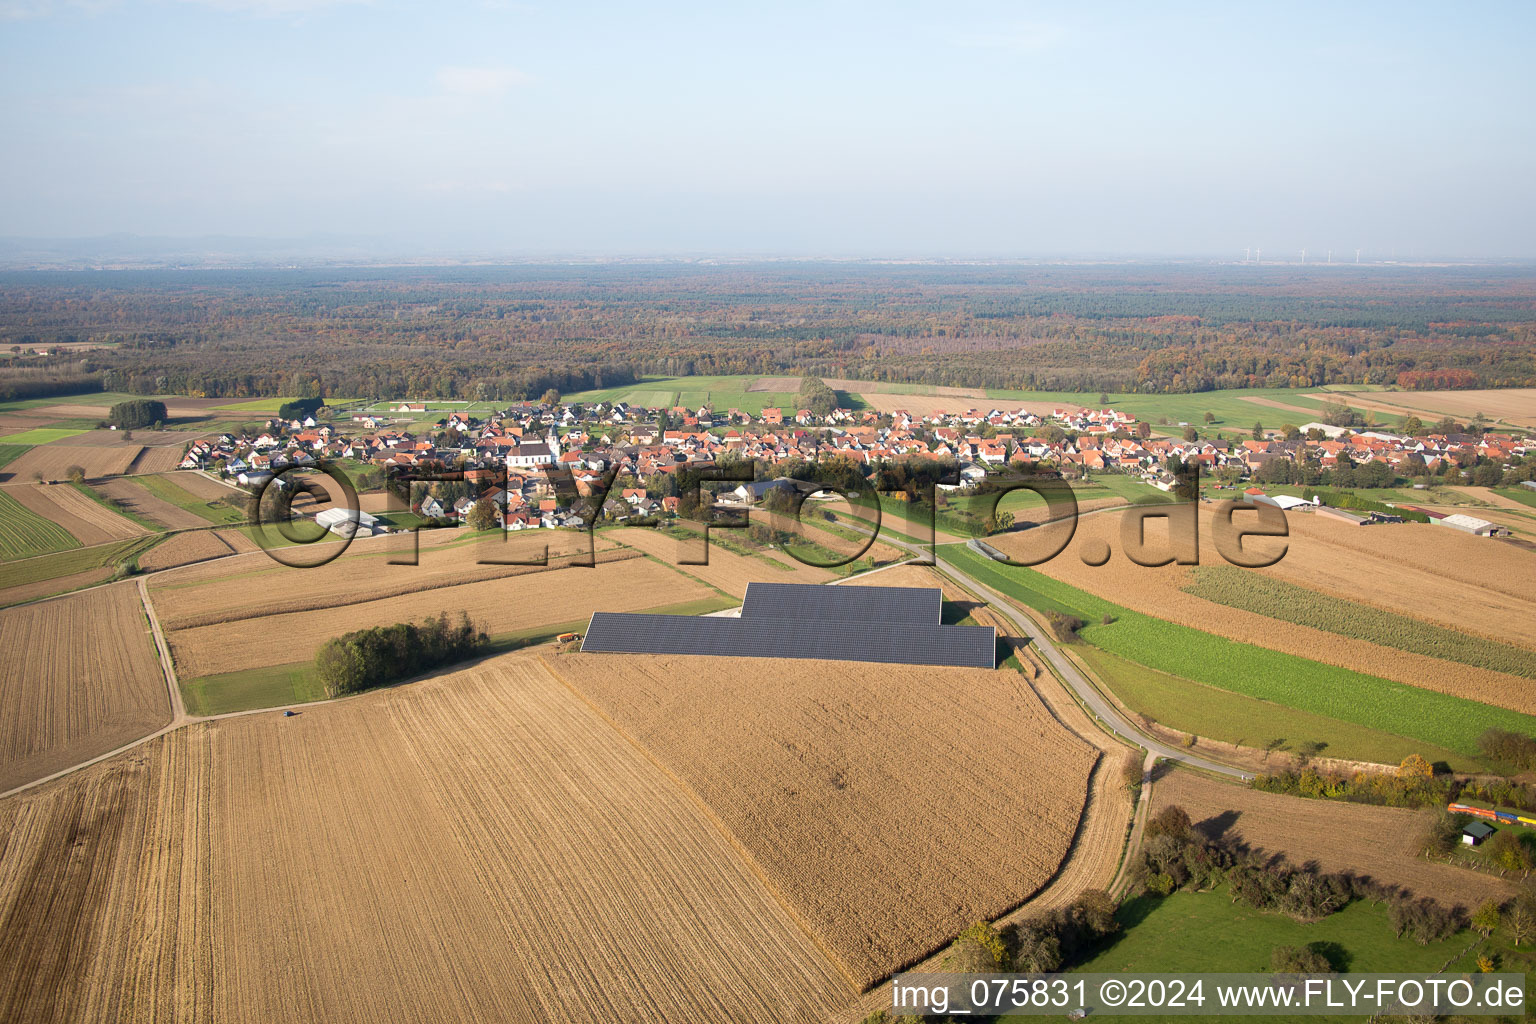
1383, 842
88, 521
80, 677
508, 604
254, 586
133, 497
726, 570
184, 549
1424, 572
479, 847
890, 806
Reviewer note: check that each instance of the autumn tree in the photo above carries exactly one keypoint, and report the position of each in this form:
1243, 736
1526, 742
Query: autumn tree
1487, 916
1258, 431
482, 515
1210, 417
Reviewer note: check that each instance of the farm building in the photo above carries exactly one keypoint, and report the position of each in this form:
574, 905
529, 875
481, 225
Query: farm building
347, 522
1476, 832
1467, 524
892, 625
1284, 502
1528, 483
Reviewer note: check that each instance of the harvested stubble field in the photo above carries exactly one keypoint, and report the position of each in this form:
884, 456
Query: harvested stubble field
492, 851
87, 521
508, 604
136, 499
52, 461
1423, 572
1383, 842
1512, 405
726, 570
254, 586
889, 806
185, 549
80, 677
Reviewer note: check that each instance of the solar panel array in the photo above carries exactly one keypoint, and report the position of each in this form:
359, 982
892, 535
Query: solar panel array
855, 604
807, 621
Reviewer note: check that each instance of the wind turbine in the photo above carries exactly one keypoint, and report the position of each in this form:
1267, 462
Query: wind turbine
1303, 257
1357, 255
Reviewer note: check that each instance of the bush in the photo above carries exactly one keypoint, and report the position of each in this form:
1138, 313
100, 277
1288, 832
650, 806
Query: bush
1298, 960
1423, 920
137, 412
1064, 626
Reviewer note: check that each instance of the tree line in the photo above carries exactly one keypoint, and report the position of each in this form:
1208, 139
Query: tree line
367, 658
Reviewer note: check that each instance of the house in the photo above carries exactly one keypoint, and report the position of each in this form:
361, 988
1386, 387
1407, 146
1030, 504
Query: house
1476, 832
537, 453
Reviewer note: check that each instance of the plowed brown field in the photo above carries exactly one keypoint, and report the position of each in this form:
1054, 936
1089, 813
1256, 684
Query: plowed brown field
1425, 572
1512, 405
52, 461
1383, 842
482, 847
156, 459
79, 677
184, 549
254, 586
726, 569
87, 521
200, 486
141, 503
890, 806
508, 604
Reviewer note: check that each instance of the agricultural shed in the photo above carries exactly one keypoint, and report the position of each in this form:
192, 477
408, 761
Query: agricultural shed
890, 625
1467, 524
1476, 832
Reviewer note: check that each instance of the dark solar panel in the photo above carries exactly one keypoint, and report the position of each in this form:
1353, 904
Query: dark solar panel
903, 643
799, 601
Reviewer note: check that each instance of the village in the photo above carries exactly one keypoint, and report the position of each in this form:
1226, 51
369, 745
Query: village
539, 464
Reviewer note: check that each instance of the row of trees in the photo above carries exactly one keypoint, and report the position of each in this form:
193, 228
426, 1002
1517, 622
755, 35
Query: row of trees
1175, 855
366, 658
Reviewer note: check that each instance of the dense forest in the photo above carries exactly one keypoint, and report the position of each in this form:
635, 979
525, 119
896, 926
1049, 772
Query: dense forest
504, 333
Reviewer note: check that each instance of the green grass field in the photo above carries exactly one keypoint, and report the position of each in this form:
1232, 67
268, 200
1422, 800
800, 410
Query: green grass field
1524, 495
42, 435
107, 398
268, 687
1219, 714
166, 489
1207, 932
68, 563
11, 451
269, 406
1327, 690
24, 533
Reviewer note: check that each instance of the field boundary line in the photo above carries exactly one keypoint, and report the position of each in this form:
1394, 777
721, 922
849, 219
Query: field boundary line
693, 797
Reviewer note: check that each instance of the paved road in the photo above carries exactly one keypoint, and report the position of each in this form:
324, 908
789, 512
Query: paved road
1089, 694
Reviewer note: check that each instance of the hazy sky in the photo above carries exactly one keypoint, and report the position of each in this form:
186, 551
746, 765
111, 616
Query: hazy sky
837, 128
